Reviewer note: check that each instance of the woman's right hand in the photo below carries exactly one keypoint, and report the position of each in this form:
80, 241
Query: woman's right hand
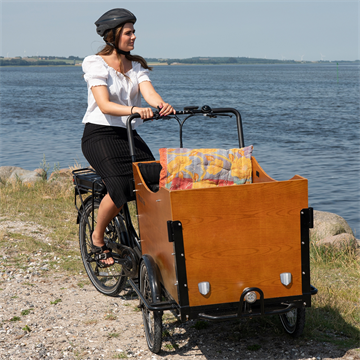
145, 113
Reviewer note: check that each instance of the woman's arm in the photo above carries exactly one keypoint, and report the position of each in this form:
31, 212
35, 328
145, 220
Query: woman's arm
154, 99
101, 96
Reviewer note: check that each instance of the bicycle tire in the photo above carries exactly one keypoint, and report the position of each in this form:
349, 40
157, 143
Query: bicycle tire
152, 319
109, 281
294, 322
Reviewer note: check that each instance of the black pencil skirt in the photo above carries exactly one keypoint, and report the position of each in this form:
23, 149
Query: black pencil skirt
106, 148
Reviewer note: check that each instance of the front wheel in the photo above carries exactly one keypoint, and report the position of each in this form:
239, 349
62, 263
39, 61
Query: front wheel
110, 280
294, 321
152, 319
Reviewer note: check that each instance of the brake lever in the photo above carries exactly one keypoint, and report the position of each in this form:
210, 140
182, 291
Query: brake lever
212, 115
156, 116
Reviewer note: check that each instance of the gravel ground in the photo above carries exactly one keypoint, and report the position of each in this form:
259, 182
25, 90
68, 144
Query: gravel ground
48, 315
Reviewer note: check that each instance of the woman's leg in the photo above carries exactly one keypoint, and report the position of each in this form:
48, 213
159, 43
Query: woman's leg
107, 211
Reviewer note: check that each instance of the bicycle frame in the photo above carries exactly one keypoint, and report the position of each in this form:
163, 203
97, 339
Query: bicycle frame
263, 306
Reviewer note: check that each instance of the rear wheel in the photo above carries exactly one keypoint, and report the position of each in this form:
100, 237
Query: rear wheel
111, 280
152, 319
294, 321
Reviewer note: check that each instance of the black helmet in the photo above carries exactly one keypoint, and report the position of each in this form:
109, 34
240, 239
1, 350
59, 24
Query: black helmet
113, 19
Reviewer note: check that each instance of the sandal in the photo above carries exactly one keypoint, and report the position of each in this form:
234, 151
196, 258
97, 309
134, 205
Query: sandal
99, 253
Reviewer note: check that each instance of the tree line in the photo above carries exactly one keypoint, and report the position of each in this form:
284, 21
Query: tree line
21, 62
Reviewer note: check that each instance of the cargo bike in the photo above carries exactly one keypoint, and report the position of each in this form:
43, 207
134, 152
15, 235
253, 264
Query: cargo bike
213, 253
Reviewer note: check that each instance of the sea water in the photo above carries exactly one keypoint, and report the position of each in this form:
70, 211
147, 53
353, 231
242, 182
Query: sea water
301, 119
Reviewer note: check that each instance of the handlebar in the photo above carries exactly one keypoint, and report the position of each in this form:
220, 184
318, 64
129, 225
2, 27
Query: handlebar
190, 111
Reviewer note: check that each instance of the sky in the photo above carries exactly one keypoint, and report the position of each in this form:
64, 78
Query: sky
284, 29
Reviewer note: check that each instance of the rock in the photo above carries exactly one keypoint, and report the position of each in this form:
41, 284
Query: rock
340, 241
328, 224
62, 174
41, 172
13, 173
5, 172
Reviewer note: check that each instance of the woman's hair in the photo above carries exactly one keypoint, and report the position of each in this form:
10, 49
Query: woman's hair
108, 50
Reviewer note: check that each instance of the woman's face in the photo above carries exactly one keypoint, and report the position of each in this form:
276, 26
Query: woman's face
127, 37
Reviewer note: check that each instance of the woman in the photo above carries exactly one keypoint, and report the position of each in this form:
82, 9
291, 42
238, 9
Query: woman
115, 80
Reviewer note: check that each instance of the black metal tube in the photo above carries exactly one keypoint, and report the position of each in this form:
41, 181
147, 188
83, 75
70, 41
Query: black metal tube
217, 317
93, 211
131, 135
161, 306
218, 111
235, 316
313, 290
189, 112
259, 291
238, 122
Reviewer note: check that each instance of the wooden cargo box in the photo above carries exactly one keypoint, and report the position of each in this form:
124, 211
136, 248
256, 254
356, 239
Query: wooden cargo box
233, 237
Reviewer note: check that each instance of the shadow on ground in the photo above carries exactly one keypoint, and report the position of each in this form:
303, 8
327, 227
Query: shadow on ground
257, 338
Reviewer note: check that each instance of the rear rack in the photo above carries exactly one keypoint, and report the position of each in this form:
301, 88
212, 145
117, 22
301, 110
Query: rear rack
87, 180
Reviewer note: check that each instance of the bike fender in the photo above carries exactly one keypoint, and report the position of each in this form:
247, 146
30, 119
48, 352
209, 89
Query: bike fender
81, 209
154, 277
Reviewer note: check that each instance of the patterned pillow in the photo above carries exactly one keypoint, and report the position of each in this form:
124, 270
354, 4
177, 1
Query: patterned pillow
203, 168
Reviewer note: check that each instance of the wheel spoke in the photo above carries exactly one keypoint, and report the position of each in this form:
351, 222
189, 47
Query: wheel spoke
110, 280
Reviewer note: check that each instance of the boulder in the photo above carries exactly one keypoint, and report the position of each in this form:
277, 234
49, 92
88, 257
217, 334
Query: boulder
26, 176
62, 174
13, 173
41, 172
340, 241
328, 224
5, 172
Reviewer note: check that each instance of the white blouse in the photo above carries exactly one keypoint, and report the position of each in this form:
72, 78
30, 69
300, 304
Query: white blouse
122, 90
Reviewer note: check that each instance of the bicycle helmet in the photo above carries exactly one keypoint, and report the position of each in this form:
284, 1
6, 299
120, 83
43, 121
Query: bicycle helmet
111, 20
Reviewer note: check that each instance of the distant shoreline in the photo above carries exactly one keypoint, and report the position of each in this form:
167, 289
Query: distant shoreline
76, 61
194, 64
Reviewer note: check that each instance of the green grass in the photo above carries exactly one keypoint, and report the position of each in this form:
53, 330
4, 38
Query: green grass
26, 312
171, 346
26, 328
165, 333
201, 325
335, 312
55, 301
109, 315
49, 206
113, 335
122, 355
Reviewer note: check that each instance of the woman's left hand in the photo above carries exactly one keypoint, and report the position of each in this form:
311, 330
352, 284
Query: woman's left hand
166, 109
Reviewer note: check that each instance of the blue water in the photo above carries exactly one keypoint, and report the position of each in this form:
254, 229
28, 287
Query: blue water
301, 119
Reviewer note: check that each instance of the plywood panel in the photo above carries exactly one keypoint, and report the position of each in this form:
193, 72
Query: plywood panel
241, 236
154, 211
258, 174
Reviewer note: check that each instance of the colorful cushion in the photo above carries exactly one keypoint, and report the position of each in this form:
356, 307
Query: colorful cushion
203, 168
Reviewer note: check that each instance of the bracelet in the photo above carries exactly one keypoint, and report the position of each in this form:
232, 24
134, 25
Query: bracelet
132, 109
